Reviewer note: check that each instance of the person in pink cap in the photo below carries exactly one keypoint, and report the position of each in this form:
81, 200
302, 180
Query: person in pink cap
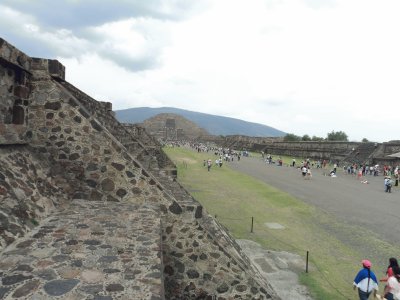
365, 281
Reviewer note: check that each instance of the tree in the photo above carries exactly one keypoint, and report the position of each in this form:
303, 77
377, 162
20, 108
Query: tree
337, 136
317, 138
290, 137
364, 140
306, 137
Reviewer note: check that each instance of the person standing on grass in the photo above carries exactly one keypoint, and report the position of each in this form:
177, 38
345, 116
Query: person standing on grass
365, 281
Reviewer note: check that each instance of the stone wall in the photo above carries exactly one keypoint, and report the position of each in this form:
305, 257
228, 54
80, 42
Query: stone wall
29, 191
334, 151
14, 93
79, 167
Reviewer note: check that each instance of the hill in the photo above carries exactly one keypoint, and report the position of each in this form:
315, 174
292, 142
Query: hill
215, 125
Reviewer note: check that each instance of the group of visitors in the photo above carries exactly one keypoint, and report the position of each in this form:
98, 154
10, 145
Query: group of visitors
366, 282
361, 170
222, 155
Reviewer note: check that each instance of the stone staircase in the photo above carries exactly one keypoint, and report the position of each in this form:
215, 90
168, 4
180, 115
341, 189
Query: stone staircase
361, 154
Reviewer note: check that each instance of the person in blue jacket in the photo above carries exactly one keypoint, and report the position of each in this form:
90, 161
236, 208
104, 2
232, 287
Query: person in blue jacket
365, 281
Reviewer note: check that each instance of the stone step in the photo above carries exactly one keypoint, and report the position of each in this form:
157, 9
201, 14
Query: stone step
91, 250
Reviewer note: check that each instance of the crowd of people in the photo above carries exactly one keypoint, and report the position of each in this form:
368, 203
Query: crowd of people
366, 282
391, 173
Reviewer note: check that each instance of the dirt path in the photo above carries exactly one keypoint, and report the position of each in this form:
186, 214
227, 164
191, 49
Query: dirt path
345, 197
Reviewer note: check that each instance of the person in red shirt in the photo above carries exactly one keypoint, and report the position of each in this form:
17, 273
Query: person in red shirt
389, 272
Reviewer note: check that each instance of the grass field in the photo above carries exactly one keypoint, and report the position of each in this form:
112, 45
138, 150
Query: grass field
235, 198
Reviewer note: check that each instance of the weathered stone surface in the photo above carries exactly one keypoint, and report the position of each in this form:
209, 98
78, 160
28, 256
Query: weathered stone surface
169, 270
77, 263
13, 279
192, 274
97, 297
69, 273
25, 244
25, 268
175, 208
136, 191
48, 274
108, 259
110, 271
60, 287
92, 242
91, 289
60, 258
118, 166
95, 195
107, 185
199, 212
26, 289
115, 287
180, 267
129, 174
53, 105
241, 288
96, 125
223, 288
92, 276
121, 192
4, 291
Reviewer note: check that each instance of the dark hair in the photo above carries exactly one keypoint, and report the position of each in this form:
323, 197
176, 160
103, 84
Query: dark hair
396, 272
393, 262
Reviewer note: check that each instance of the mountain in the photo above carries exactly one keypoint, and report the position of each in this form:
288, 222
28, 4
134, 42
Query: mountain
215, 125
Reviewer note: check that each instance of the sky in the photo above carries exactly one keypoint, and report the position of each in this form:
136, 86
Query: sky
300, 66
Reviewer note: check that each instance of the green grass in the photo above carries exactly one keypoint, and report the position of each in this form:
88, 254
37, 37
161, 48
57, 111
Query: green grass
235, 198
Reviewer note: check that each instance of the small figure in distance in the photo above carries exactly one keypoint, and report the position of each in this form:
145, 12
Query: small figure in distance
309, 175
388, 184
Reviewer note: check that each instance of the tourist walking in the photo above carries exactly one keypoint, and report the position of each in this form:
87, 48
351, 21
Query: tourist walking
392, 289
389, 272
365, 281
209, 164
388, 184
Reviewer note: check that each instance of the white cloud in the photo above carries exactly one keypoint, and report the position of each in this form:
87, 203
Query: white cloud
302, 66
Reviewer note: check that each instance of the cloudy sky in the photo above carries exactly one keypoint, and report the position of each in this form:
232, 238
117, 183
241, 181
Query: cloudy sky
301, 66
